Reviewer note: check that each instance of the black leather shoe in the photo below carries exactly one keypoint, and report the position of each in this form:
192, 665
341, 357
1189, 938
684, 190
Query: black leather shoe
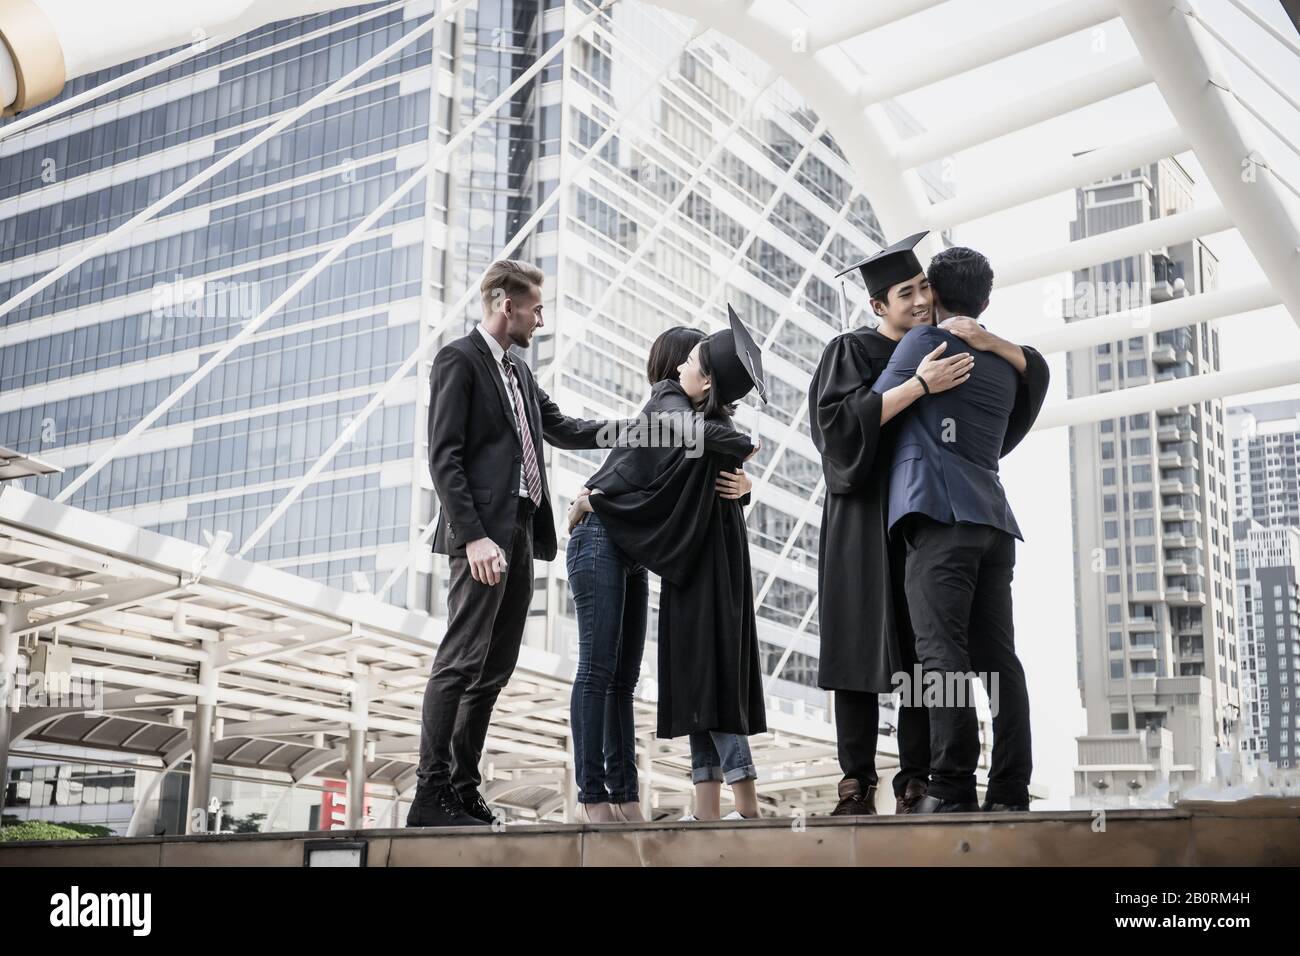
916, 789
438, 806
473, 803
989, 807
854, 801
929, 804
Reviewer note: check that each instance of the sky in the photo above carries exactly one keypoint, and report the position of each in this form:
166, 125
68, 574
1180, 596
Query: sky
1036, 474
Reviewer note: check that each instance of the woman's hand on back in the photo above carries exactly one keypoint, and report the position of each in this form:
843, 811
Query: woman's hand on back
733, 484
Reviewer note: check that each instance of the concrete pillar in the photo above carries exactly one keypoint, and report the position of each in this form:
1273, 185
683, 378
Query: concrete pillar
201, 744
8, 688
357, 758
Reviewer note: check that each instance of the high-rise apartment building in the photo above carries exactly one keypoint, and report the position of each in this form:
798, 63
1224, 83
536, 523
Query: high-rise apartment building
1266, 493
1154, 615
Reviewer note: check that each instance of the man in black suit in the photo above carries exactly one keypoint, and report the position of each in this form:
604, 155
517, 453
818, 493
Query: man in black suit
948, 504
487, 417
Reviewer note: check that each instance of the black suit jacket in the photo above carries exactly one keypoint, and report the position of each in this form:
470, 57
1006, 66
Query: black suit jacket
945, 463
475, 454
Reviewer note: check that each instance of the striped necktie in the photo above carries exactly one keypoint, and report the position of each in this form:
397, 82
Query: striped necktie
532, 476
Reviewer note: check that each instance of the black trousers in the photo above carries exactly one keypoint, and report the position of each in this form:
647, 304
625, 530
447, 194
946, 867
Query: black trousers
958, 583
485, 627
857, 728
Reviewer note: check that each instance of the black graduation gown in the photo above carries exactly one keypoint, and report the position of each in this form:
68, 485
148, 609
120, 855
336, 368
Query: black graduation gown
866, 634
710, 677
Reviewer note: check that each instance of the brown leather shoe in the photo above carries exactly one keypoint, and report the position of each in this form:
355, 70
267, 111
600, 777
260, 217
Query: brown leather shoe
854, 802
916, 789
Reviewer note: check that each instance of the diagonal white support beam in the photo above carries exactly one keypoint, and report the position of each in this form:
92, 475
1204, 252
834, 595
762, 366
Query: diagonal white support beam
853, 18
1246, 61
1185, 64
1108, 246
1288, 42
1037, 182
107, 240
431, 336
1024, 34
761, 217
123, 594
1176, 313
574, 336
588, 157
225, 661
1169, 394
335, 251
799, 524
1020, 114
204, 44
792, 300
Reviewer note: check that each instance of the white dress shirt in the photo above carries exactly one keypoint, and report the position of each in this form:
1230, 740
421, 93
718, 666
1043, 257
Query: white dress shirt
497, 352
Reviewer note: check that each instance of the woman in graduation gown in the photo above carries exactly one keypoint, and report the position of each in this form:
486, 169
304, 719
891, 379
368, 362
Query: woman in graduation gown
610, 589
710, 677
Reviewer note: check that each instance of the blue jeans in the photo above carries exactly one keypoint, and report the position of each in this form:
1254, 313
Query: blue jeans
717, 756
612, 596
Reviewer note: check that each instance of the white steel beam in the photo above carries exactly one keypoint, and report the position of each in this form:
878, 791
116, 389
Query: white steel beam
1045, 104
853, 18
574, 336
1107, 246
430, 337
1004, 41
1185, 65
334, 252
982, 199
1169, 394
1176, 313
201, 44
1274, 32
108, 239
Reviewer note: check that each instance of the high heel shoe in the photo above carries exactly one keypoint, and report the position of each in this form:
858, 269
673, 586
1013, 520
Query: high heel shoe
596, 813
628, 812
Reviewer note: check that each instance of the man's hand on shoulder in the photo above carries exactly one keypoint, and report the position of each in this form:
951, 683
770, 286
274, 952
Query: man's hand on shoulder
982, 340
971, 332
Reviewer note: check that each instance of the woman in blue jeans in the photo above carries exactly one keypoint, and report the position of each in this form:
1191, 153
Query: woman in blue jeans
611, 595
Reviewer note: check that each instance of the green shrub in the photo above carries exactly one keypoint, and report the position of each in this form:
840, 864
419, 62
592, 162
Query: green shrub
40, 830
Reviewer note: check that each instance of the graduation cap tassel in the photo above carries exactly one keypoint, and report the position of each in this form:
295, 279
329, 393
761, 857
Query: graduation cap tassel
844, 308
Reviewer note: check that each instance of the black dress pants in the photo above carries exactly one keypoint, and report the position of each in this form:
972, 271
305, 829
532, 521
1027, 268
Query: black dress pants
485, 627
958, 583
857, 729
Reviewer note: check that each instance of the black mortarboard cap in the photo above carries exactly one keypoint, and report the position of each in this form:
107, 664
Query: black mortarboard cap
737, 361
890, 266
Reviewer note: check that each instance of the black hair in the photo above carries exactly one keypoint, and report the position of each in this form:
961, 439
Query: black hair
962, 279
669, 351
712, 406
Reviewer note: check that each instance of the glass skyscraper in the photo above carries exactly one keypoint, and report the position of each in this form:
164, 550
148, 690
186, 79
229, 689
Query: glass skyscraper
629, 250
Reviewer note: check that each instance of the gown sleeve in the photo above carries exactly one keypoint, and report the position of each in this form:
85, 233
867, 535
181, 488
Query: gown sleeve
1029, 399
844, 415
663, 526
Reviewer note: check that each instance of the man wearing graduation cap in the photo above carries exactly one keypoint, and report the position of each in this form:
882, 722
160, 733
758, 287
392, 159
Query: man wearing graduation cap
948, 508
865, 631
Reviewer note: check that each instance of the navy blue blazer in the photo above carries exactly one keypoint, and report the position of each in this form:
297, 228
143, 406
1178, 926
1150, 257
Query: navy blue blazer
945, 462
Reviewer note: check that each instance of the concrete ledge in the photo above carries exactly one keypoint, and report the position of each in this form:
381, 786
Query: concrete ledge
1263, 831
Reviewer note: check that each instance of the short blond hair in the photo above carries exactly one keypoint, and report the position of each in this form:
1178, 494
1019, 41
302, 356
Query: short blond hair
507, 278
